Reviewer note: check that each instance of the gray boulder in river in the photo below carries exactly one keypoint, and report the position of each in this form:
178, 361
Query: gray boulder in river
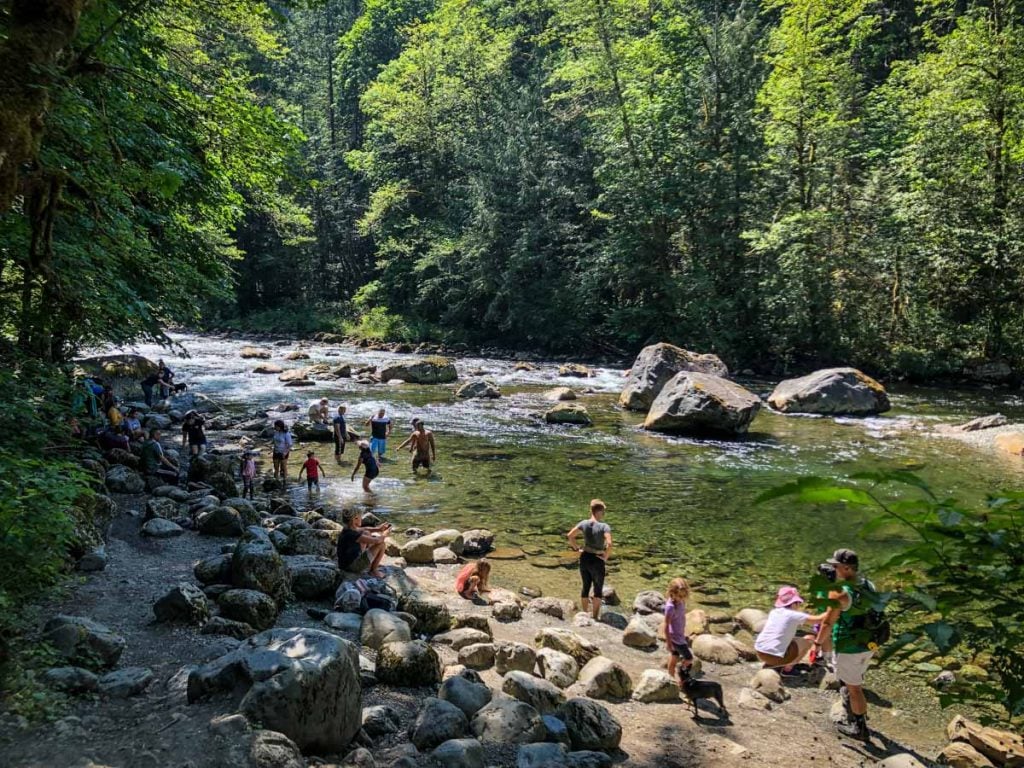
429, 370
698, 402
836, 391
656, 365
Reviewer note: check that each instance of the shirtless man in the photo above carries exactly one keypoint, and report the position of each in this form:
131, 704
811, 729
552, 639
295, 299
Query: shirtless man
424, 451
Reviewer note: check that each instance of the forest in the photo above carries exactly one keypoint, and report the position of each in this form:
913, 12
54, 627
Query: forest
785, 183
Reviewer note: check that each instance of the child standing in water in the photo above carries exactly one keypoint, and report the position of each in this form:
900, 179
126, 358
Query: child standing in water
675, 625
248, 472
313, 469
367, 460
472, 579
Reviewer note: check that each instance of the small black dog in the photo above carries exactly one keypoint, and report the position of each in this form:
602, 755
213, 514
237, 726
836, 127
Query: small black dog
695, 690
179, 388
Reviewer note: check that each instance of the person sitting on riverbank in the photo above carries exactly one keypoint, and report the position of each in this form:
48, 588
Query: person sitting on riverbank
155, 462
366, 459
192, 432
674, 625
133, 425
777, 644
114, 438
114, 415
282, 448
247, 470
471, 582
597, 545
380, 431
313, 469
361, 549
421, 442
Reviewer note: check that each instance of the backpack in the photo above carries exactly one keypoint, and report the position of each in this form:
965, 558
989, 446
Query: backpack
870, 623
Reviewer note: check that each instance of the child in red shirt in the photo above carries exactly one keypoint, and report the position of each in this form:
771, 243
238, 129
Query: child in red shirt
313, 469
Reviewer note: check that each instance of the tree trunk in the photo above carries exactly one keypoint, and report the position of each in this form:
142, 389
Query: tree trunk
38, 32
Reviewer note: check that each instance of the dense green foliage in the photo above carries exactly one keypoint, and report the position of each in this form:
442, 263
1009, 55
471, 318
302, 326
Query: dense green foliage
956, 588
784, 182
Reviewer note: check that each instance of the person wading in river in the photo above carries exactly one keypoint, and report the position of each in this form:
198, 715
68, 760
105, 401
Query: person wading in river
424, 451
366, 460
340, 433
282, 447
380, 431
597, 545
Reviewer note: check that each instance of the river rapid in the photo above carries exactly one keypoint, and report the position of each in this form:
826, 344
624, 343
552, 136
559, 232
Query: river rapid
677, 506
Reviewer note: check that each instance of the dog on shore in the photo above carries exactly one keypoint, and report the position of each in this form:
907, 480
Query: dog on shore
695, 690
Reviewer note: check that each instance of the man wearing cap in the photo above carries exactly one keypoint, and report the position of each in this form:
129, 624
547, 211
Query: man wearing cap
777, 644
853, 656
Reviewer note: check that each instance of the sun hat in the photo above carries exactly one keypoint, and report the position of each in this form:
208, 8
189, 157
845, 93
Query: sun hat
844, 557
787, 596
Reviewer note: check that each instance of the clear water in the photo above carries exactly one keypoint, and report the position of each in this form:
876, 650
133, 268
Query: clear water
676, 506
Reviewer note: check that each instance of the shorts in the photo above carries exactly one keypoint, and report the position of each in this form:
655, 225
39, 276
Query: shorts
311, 481
682, 650
361, 564
371, 475
278, 456
592, 570
339, 446
379, 445
851, 667
420, 461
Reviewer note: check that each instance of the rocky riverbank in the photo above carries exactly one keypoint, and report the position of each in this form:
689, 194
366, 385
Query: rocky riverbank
203, 635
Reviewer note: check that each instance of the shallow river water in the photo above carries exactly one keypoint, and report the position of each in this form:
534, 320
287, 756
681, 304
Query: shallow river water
677, 506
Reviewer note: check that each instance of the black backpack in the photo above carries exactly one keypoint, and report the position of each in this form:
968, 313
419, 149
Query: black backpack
869, 623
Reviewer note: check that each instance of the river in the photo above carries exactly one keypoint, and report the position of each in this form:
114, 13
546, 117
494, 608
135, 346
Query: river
677, 506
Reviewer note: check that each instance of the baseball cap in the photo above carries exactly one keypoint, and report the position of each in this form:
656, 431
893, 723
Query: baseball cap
787, 596
844, 557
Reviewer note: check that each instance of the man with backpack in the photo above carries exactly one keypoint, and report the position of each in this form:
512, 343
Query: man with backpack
857, 628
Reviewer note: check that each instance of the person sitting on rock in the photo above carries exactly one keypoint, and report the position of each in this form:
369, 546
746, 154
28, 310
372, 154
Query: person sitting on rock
155, 461
777, 644
471, 582
133, 425
318, 412
674, 625
361, 549
114, 437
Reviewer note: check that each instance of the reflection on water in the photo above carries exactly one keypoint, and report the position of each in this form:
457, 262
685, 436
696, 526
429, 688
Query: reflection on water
676, 505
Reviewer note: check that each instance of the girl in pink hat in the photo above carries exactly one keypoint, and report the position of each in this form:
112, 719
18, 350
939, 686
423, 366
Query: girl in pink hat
777, 644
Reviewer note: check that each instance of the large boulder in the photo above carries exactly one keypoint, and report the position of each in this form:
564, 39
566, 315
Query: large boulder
311, 576
714, 648
559, 668
429, 370
656, 365
437, 722
185, 602
249, 607
220, 521
303, 683
701, 403
649, 601
510, 656
465, 694
568, 413
752, 619
158, 528
410, 664
460, 753
106, 367
420, 550
508, 721
214, 570
537, 692
481, 388
256, 564
602, 678
381, 627
656, 685
432, 615
254, 353
590, 725
639, 634
461, 637
312, 541
122, 479
831, 391
84, 642
477, 541
312, 433
552, 606
568, 642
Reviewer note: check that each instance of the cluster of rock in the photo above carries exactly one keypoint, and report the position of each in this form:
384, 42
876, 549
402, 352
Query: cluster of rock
685, 392
90, 651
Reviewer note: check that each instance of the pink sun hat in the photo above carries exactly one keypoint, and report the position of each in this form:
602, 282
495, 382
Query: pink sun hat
787, 596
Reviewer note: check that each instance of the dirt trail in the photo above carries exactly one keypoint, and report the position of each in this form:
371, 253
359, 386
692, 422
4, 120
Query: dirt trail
159, 728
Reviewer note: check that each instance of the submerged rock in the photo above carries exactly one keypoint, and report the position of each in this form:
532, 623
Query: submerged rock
656, 365
831, 391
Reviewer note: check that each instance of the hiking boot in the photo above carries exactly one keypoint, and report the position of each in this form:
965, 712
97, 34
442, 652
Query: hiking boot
856, 729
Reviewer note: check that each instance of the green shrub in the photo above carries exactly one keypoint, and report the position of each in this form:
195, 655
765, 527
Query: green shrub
377, 324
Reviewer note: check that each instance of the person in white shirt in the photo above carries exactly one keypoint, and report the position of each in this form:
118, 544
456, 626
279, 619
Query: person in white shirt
777, 644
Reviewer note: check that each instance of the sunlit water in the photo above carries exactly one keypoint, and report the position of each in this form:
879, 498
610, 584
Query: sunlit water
676, 506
